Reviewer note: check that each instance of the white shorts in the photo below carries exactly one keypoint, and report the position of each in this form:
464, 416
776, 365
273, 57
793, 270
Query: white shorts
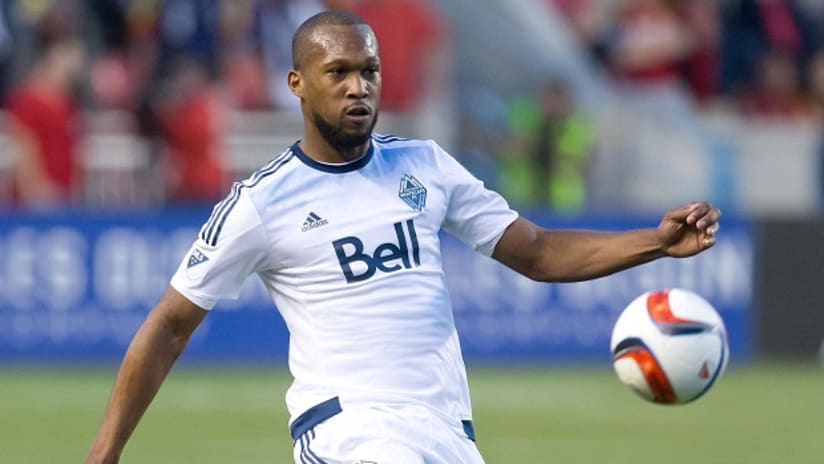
326, 434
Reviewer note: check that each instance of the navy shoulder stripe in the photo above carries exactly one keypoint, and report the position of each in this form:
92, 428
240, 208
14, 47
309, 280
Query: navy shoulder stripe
211, 230
387, 138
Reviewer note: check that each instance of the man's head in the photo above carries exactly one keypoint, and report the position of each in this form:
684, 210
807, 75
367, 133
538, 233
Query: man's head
336, 75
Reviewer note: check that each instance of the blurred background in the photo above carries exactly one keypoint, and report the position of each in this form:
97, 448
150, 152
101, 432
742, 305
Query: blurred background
123, 121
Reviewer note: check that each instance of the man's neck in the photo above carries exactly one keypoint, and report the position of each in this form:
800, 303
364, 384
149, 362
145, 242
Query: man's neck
320, 150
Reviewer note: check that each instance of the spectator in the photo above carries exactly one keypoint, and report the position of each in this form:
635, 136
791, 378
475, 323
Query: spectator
278, 20
190, 28
650, 41
777, 92
589, 20
8, 43
188, 111
241, 64
121, 66
564, 150
754, 28
816, 83
555, 145
516, 166
44, 121
701, 67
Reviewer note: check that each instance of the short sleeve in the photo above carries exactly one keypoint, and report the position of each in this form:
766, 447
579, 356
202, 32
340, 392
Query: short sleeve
231, 246
475, 214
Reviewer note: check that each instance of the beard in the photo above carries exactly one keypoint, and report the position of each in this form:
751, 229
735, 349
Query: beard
337, 138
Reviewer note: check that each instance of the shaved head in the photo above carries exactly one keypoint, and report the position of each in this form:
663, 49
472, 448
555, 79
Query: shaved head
336, 74
302, 40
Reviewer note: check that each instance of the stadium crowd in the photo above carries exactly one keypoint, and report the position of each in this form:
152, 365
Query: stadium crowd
757, 60
175, 68
763, 57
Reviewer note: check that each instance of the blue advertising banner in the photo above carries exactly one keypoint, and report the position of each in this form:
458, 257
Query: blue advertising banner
76, 286
502, 315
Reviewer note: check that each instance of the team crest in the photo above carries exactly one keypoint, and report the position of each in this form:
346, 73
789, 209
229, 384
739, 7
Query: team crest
412, 192
196, 258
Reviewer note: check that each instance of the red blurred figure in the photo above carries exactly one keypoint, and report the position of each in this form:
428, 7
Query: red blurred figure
651, 42
190, 118
44, 122
241, 64
410, 33
701, 68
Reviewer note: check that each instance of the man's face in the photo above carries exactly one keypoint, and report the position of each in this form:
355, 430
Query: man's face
339, 83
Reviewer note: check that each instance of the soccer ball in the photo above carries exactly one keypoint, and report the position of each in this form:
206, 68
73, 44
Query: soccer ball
669, 346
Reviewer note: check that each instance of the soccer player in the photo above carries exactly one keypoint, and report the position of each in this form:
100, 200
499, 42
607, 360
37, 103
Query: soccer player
342, 228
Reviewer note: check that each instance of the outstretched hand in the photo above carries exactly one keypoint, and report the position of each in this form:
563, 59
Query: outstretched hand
688, 230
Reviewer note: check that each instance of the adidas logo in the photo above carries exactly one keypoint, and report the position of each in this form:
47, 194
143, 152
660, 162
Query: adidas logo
313, 221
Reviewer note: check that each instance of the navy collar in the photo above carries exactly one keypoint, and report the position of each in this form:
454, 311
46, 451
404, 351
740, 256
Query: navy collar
335, 168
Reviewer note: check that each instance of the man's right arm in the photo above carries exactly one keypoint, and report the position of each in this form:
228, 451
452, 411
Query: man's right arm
150, 356
575, 255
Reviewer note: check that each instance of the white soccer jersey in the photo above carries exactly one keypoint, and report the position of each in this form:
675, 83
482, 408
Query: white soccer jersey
351, 256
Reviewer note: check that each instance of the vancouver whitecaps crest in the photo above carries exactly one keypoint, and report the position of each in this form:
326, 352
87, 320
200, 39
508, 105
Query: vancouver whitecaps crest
412, 192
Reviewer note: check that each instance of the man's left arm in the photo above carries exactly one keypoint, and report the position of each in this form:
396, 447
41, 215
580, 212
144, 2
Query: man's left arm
575, 255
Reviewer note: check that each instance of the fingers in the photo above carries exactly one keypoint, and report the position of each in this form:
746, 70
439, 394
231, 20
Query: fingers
710, 225
709, 220
709, 239
697, 211
682, 213
703, 215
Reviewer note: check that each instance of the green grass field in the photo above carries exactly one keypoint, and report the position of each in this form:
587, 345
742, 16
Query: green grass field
522, 415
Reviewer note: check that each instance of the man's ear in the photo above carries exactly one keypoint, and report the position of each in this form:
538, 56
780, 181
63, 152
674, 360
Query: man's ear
295, 81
